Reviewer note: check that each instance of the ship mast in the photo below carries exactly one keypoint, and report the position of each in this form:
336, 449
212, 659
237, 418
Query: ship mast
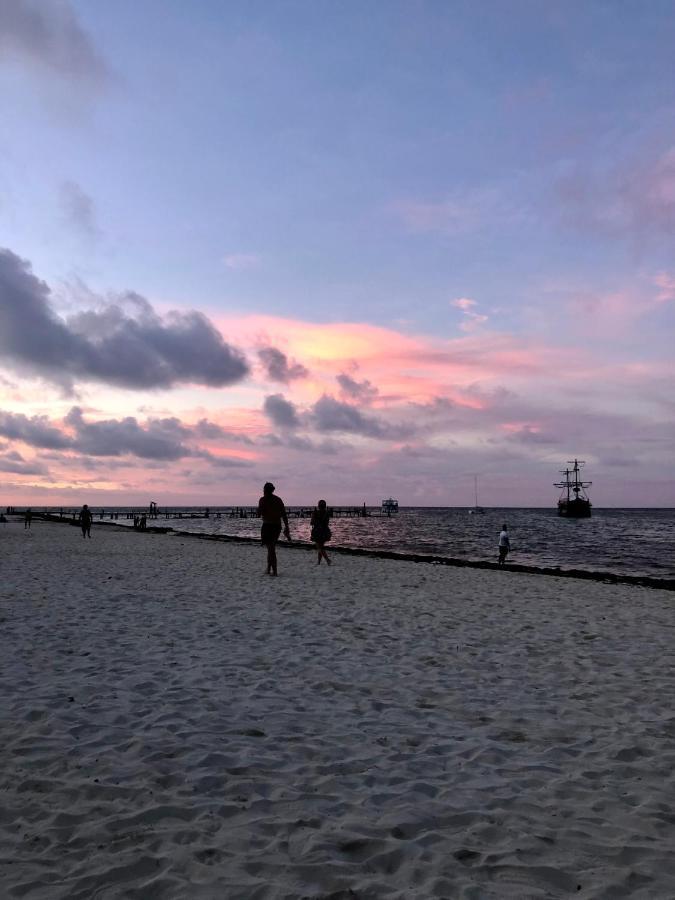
576, 486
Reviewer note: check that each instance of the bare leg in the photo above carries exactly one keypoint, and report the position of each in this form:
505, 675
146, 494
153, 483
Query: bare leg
321, 554
271, 559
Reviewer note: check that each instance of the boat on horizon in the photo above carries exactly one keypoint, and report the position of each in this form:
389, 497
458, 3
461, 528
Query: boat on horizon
477, 510
573, 502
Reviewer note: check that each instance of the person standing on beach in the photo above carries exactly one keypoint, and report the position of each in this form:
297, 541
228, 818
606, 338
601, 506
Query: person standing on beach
504, 544
27, 518
85, 521
272, 511
320, 530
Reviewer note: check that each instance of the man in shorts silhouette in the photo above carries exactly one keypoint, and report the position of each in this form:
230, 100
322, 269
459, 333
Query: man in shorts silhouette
272, 511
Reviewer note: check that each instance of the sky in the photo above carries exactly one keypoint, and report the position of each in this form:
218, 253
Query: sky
359, 249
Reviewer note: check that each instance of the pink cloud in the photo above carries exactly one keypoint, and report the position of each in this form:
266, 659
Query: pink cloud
463, 303
666, 285
403, 367
431, 402
472, 320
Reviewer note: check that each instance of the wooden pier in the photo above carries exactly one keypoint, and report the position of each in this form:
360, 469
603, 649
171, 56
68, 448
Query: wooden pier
251, 512
154, 512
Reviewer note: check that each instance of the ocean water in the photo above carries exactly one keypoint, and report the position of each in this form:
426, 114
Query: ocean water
623, 541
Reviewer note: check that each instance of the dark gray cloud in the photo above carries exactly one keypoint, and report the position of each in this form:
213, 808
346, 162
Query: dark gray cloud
282, 412
37, 431
101, 464
78, 209
48, 35
209, 431
15, 463
326, 447
363, 391
297, 442
126, 343
159, 439
278, 367
224, 462
271, 440
329, 414
154, 440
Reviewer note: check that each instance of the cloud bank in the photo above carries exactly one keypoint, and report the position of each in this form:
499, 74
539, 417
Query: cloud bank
281, 411
137, 350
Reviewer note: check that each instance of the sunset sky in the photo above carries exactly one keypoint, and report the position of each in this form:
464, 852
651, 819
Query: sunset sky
360, 249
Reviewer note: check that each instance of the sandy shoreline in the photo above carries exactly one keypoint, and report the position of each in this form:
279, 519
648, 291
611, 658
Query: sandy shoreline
174, 724
666, 584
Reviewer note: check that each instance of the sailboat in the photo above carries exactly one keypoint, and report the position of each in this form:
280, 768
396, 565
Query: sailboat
477, 510
573, 502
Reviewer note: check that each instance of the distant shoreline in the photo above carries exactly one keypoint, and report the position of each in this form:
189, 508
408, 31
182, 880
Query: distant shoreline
19, 509
665, 584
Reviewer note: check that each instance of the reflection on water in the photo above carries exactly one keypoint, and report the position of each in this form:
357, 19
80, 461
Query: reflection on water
624, 541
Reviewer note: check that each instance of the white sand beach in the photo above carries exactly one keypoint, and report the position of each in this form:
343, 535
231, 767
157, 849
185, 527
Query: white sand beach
176, 724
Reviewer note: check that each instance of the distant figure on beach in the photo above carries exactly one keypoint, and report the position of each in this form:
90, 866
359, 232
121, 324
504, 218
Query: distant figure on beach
143, 522
272, 511
27, 518
320, 530
85, 521
504, 544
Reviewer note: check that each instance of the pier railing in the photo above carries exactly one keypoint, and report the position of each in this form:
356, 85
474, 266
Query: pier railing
220, 512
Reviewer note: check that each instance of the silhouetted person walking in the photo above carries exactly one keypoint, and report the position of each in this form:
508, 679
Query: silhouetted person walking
320, 530
85, 521
272, 511
504, 544
27, 518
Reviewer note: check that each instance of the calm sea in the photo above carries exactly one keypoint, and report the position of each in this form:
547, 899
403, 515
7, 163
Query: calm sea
623, 541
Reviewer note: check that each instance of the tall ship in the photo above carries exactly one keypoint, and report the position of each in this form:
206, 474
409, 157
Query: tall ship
573, 502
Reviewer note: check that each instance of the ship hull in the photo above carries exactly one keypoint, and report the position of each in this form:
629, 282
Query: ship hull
574, 509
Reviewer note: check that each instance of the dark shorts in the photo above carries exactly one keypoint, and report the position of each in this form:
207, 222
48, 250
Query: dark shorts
270, 533
321, 534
